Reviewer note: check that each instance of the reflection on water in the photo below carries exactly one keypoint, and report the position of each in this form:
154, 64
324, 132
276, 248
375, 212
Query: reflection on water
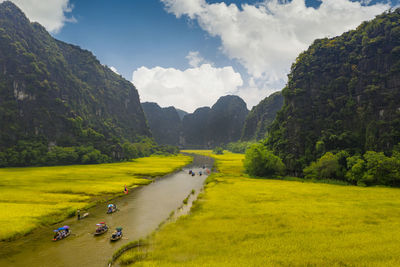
140, 212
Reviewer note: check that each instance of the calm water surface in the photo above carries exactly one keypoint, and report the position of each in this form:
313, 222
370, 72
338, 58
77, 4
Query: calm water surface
140, 212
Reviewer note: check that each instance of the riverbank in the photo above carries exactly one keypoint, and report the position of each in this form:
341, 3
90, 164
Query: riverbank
139, 213
38, 196
240, 221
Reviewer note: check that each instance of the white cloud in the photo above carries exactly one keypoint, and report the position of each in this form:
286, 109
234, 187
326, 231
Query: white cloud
114, 69
52, 14
267, 37
188, 89
195, 59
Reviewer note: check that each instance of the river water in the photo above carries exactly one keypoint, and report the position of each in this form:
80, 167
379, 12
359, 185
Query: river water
140, 213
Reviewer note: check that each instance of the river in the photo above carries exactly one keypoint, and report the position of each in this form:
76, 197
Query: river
140, 213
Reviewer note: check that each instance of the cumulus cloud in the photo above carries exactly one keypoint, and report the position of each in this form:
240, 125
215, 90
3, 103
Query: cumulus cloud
187, 89
114, 69
195, 59
267, 37
52, 14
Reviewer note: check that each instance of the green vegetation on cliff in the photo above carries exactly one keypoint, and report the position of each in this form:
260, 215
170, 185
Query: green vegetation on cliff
56, 94
343, 93
261, 116
165, 123
220, 124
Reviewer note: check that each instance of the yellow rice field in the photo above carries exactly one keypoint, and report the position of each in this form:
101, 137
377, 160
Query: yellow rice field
240, 221
34, 196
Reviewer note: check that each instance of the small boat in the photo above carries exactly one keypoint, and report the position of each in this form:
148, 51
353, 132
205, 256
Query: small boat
61, 233
79, 217
117, 235
111, 208
84, 216
101, 229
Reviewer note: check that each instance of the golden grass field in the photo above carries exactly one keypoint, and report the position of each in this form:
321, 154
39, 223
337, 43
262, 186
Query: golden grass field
240, 221
35, 196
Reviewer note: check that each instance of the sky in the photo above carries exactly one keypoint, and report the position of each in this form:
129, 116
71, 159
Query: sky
188, 53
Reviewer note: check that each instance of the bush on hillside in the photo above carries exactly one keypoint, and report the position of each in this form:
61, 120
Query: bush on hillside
356, 169
218, 150
380, 169
326, 167
372, 168
238, 147
261, 162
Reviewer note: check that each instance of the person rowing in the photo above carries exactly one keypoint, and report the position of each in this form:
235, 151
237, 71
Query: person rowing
112, 208
117, 234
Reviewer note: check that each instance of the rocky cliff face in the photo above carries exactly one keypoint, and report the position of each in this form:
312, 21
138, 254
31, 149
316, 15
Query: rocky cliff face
58, 93
342, 93
181, 113
164, 123
261, 116
220, 124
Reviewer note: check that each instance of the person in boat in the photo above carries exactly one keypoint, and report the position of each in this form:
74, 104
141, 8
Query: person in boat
190, 171
57, 235
101, 227
193, 174
78, 214
112, 208
117, 233
60, 234
200, 173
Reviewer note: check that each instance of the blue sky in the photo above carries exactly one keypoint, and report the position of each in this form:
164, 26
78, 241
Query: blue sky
131, 34
188, 53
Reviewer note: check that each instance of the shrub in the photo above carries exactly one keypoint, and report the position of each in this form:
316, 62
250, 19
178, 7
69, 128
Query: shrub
3, 159
381, 169
238, 147
356, 169
261, 162
373, 168
327, 167
62, 155
129, 151
218, 150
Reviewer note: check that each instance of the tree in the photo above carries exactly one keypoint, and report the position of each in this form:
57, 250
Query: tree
327, 167
381, 169
356, 166
218, 150
261, 162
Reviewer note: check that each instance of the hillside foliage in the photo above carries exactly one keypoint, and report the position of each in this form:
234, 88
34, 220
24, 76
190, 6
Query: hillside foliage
261, 116
57, 99
343, 93
165, 123
215, 126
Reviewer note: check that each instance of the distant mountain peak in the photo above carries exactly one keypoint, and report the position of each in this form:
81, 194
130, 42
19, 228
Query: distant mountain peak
220, 124
164, 123
9, 10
